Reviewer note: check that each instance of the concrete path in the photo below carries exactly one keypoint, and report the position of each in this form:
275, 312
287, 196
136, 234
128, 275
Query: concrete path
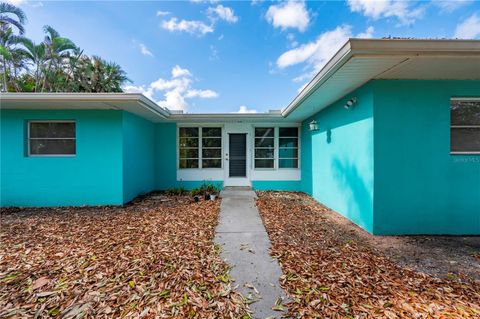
245, 246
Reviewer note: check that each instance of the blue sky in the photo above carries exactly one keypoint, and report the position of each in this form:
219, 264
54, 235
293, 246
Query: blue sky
211, 56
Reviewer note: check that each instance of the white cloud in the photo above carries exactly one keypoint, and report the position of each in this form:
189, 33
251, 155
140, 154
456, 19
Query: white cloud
16, 2
176, 91
469, 29
368, 34
377, 9
189, 26
204, 94
163, 13
205, 1
451, 5
244, 109
177, 71
291, 14
224, 13
144, 50
318, 52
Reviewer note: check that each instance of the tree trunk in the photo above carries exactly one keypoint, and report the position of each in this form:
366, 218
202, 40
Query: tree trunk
5, 87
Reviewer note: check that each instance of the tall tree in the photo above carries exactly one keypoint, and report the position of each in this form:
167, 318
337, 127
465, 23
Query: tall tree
8, 51
57, 48
35, 55
12, 16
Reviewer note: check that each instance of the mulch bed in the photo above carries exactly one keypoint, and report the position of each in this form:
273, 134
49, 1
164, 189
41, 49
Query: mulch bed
154, 258
329, 272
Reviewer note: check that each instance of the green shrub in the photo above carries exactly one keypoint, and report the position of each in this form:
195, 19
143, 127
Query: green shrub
176, 191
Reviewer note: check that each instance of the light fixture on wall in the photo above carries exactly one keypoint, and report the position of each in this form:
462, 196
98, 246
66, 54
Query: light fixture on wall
313, 126
350, 103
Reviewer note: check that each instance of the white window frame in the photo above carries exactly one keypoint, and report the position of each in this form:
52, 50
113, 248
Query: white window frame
275, 154
462, 126
200, 146
276, 145
53, 138
297, 148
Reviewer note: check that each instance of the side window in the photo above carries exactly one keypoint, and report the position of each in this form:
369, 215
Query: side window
288, 147
465, 126
51, 138
264, 147
188, 144
211, 147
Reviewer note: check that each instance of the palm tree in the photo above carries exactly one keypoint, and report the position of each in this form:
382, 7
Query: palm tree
98, 75
57, 48
8, 51
35, 54
8, 13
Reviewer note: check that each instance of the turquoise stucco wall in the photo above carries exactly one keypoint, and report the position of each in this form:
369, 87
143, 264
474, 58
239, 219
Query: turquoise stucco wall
92, 177
419, 187
337, 160
166, 155
294, 186
138, 156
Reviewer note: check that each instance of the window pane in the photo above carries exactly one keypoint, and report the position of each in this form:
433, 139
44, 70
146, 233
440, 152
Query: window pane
188, 163
211, 131
188, 142
465, 112
288, 131
52, 147
212, 163
264, 132
264, 163
288, 153
264, 142
288, 142
264, 153
188, 153
211, 142
52, 129
212, 153
288, 163
465, 140
189, 132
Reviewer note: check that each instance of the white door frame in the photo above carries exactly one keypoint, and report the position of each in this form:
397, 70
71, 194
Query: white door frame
236, 128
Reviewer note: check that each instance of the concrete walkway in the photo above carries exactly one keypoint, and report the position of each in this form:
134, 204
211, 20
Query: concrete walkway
245, 246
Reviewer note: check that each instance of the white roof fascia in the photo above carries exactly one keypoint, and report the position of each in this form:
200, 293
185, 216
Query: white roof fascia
384, 48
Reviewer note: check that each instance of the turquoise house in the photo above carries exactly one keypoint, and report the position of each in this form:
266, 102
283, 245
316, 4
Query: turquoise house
387, 134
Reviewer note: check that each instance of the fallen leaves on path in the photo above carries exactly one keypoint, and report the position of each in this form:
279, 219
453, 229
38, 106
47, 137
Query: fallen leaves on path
330, 273
152, 259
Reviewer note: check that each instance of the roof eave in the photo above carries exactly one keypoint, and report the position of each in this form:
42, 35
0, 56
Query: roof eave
383, 47
139, 98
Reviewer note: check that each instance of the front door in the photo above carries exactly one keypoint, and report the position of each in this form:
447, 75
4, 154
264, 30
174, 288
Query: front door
237, 160
238, 155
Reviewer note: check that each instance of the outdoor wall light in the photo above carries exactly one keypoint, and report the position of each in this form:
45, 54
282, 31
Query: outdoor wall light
313, 126
350, 103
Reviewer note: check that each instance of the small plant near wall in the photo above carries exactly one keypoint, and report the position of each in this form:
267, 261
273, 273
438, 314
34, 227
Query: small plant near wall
176, 191
208, 191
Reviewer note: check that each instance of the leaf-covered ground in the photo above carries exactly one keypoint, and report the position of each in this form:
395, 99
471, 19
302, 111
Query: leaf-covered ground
330, 273
152, 259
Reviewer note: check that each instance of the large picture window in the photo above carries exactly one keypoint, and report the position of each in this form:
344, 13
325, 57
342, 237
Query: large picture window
465, 126
51, 138
264, 147
200, 147
276, 145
